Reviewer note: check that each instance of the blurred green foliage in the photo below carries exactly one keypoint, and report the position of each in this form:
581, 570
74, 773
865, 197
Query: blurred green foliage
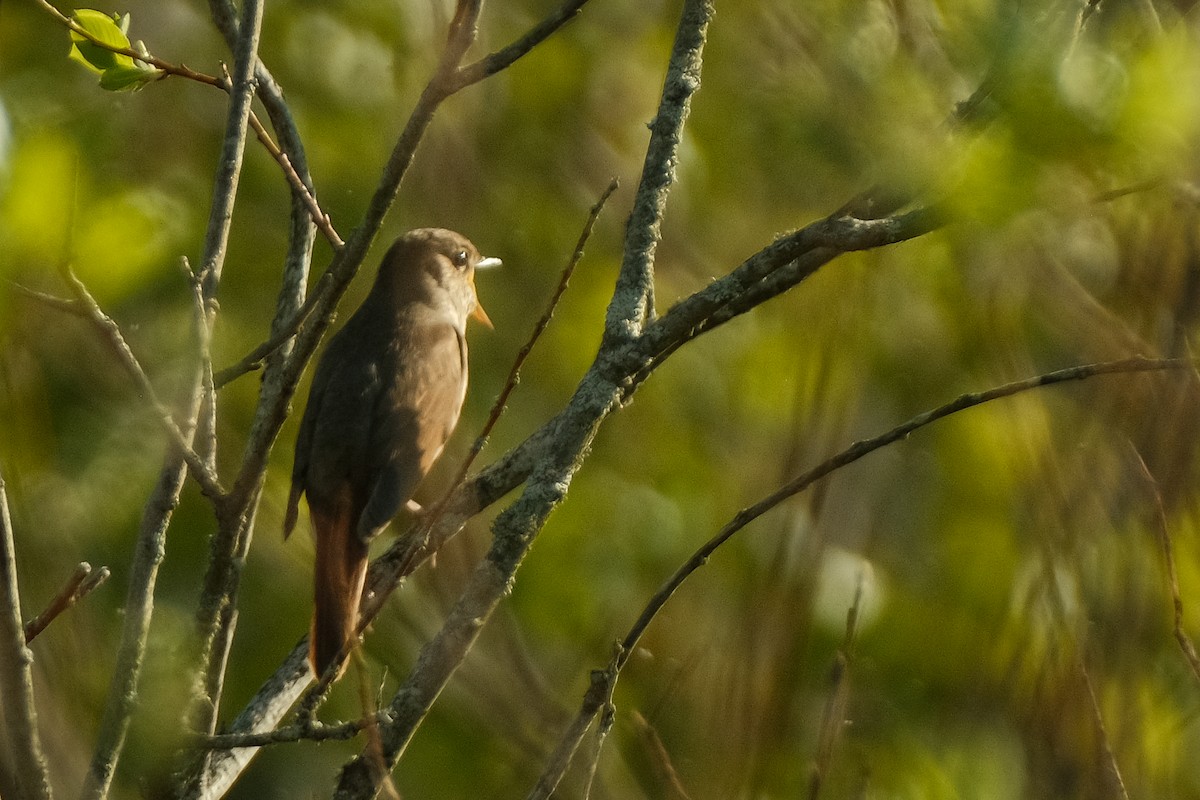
1016, 636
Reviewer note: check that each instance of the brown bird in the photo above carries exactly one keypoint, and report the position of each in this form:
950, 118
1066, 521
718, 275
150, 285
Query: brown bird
385, 397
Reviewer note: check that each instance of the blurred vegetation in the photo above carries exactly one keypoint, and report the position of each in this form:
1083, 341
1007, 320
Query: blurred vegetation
1015, 636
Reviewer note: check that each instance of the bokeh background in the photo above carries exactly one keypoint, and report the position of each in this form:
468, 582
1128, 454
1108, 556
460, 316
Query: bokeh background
1015, 633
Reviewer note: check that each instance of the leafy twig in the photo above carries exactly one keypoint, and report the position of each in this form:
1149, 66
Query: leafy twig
322, 220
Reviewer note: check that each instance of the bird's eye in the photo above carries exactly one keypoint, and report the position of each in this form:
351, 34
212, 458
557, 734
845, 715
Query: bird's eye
460, 259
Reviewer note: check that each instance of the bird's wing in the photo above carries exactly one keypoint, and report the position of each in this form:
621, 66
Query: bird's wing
304, 445
416, 413
337, 430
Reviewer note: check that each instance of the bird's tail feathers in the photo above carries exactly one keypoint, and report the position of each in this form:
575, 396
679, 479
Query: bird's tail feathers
340, 571
293, 510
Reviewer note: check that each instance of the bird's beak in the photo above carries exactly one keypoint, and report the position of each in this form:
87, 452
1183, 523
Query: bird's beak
479, 313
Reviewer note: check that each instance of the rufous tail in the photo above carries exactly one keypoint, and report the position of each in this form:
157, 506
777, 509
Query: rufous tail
339, 573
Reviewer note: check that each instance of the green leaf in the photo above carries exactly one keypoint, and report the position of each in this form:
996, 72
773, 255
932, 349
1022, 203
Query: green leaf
128, 79
104, 29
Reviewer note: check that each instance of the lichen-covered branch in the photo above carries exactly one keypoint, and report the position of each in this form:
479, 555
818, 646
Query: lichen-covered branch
16, 676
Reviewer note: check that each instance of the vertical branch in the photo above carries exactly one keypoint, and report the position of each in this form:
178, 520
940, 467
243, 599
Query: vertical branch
16, 677
139, 607
303, 233
633, 301
215, 618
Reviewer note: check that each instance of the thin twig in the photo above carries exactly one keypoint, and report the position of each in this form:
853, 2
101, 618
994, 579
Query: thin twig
866, 446
314, 732
514, 373
596, 397
110, 333
778, 267
1110, 757
569, 743
63, 304
833, 718
599, 695
28, 765
502, 59
257, 357
607, 718
204, 312
660, 757
79, 585
1164, 538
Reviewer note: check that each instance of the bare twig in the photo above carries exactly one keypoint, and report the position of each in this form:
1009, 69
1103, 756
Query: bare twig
1110, 757
778, 267
608, 716
139, 606
16, 677
315, 732
502, 59
866, 446
659, 757
302, 233
63, 304
217, 616
834, 716
110, 334
514, 373
598, 695
256, 357
204, 317
593, 700
79, 585
1164, 538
